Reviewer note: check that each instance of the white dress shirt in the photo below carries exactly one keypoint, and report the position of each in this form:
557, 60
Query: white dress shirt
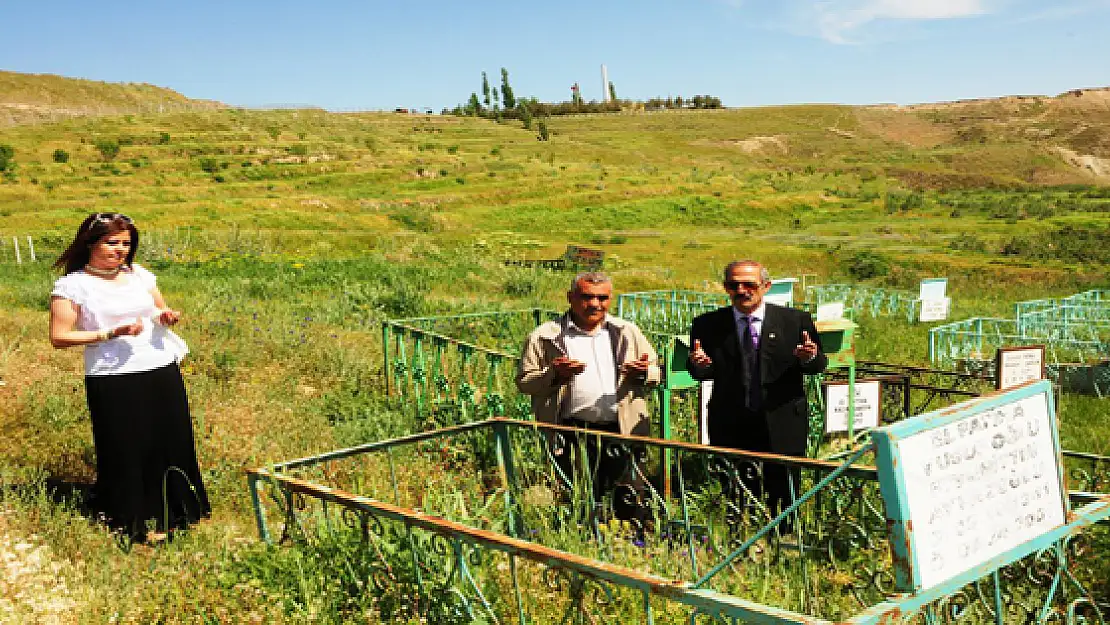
592, 394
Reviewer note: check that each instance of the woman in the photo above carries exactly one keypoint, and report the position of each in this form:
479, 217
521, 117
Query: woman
145, 459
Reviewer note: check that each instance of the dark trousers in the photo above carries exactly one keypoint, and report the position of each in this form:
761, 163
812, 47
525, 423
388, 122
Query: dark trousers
775, 483
608, 461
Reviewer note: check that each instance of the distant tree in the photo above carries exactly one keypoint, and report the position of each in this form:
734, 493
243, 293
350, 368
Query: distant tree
576, 95
678, 101
542, 133
612, 92
525, 113
109, 148
496, 97
485, 89
507, 97
61, 156
473, 107
7, 154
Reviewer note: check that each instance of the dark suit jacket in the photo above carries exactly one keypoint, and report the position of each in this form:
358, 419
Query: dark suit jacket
785, 412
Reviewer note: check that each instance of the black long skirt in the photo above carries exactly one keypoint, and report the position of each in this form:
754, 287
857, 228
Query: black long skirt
146, 461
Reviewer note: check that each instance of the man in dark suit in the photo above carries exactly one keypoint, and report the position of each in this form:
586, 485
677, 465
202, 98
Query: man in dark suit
756, 353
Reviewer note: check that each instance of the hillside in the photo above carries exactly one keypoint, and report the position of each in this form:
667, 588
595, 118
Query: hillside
34, 98
287, 238
813, 179
933, 187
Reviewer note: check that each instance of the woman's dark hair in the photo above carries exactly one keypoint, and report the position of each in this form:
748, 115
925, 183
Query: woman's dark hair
92, 229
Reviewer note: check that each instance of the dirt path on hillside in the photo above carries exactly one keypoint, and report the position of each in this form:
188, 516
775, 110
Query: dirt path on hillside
32, 585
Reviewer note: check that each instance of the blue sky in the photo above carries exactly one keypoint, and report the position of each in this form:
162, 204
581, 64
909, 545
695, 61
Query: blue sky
430, 53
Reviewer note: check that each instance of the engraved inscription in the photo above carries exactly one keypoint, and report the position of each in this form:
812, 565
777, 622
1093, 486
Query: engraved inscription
980, 486
1019, 365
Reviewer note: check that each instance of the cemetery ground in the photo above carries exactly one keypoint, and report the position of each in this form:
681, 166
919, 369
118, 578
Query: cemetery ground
287, 237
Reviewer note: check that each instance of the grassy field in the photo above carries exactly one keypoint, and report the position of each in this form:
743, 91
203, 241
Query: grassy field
287, 236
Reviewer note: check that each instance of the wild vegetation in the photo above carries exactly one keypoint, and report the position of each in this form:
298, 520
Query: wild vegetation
286, 237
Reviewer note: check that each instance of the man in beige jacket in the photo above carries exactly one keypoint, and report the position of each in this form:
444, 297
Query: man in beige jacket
591, 371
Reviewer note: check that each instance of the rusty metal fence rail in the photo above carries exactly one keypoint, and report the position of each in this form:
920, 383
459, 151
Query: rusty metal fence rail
477, 523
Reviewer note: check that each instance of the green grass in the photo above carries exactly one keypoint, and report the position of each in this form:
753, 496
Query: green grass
322, 225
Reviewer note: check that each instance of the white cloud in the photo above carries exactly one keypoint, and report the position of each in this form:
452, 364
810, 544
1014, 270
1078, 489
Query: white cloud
838, 21
871, 21
1063, 10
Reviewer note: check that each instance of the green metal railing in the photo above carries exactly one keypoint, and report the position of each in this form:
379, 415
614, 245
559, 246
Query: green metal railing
1074, 330
474, 523
979, 337
872, 301
445, 370
667, 311
1068, 322
454, 369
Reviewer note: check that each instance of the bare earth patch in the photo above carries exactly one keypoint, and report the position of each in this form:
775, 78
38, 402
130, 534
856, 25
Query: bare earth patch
32, 587
903, 126
752, 145
1093, 164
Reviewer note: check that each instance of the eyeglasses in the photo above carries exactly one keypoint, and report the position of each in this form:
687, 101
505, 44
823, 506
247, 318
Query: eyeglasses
734, 285
107, 218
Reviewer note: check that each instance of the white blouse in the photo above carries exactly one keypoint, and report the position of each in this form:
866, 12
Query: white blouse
105, 305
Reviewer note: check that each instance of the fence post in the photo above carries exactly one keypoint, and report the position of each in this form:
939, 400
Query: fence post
15, 244
507, 470
385, 354
31, 246
256, 501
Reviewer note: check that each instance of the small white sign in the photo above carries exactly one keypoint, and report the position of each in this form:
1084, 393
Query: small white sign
934, 309
1019, 364
705, 391
868, 398
781, 292
933, 288
980, 486
831, 311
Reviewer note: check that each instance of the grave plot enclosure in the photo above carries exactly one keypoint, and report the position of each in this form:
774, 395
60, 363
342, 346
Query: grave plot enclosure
476, 523
1074, 331
478, 520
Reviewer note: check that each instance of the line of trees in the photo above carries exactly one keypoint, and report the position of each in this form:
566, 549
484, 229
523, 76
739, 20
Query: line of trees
677, 102
501, 104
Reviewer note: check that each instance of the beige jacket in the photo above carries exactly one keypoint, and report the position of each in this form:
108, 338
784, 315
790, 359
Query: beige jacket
536, 378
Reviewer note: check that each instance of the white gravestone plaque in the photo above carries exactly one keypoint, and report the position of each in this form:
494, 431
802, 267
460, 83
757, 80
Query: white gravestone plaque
933, 288
934, 309
1016, 365
868, 393
980, 486
832, 311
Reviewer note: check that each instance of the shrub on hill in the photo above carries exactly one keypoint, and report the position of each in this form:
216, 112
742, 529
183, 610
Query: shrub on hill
108, 148
7, 154
209, 165
61, 156
1070, 244
866, 264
